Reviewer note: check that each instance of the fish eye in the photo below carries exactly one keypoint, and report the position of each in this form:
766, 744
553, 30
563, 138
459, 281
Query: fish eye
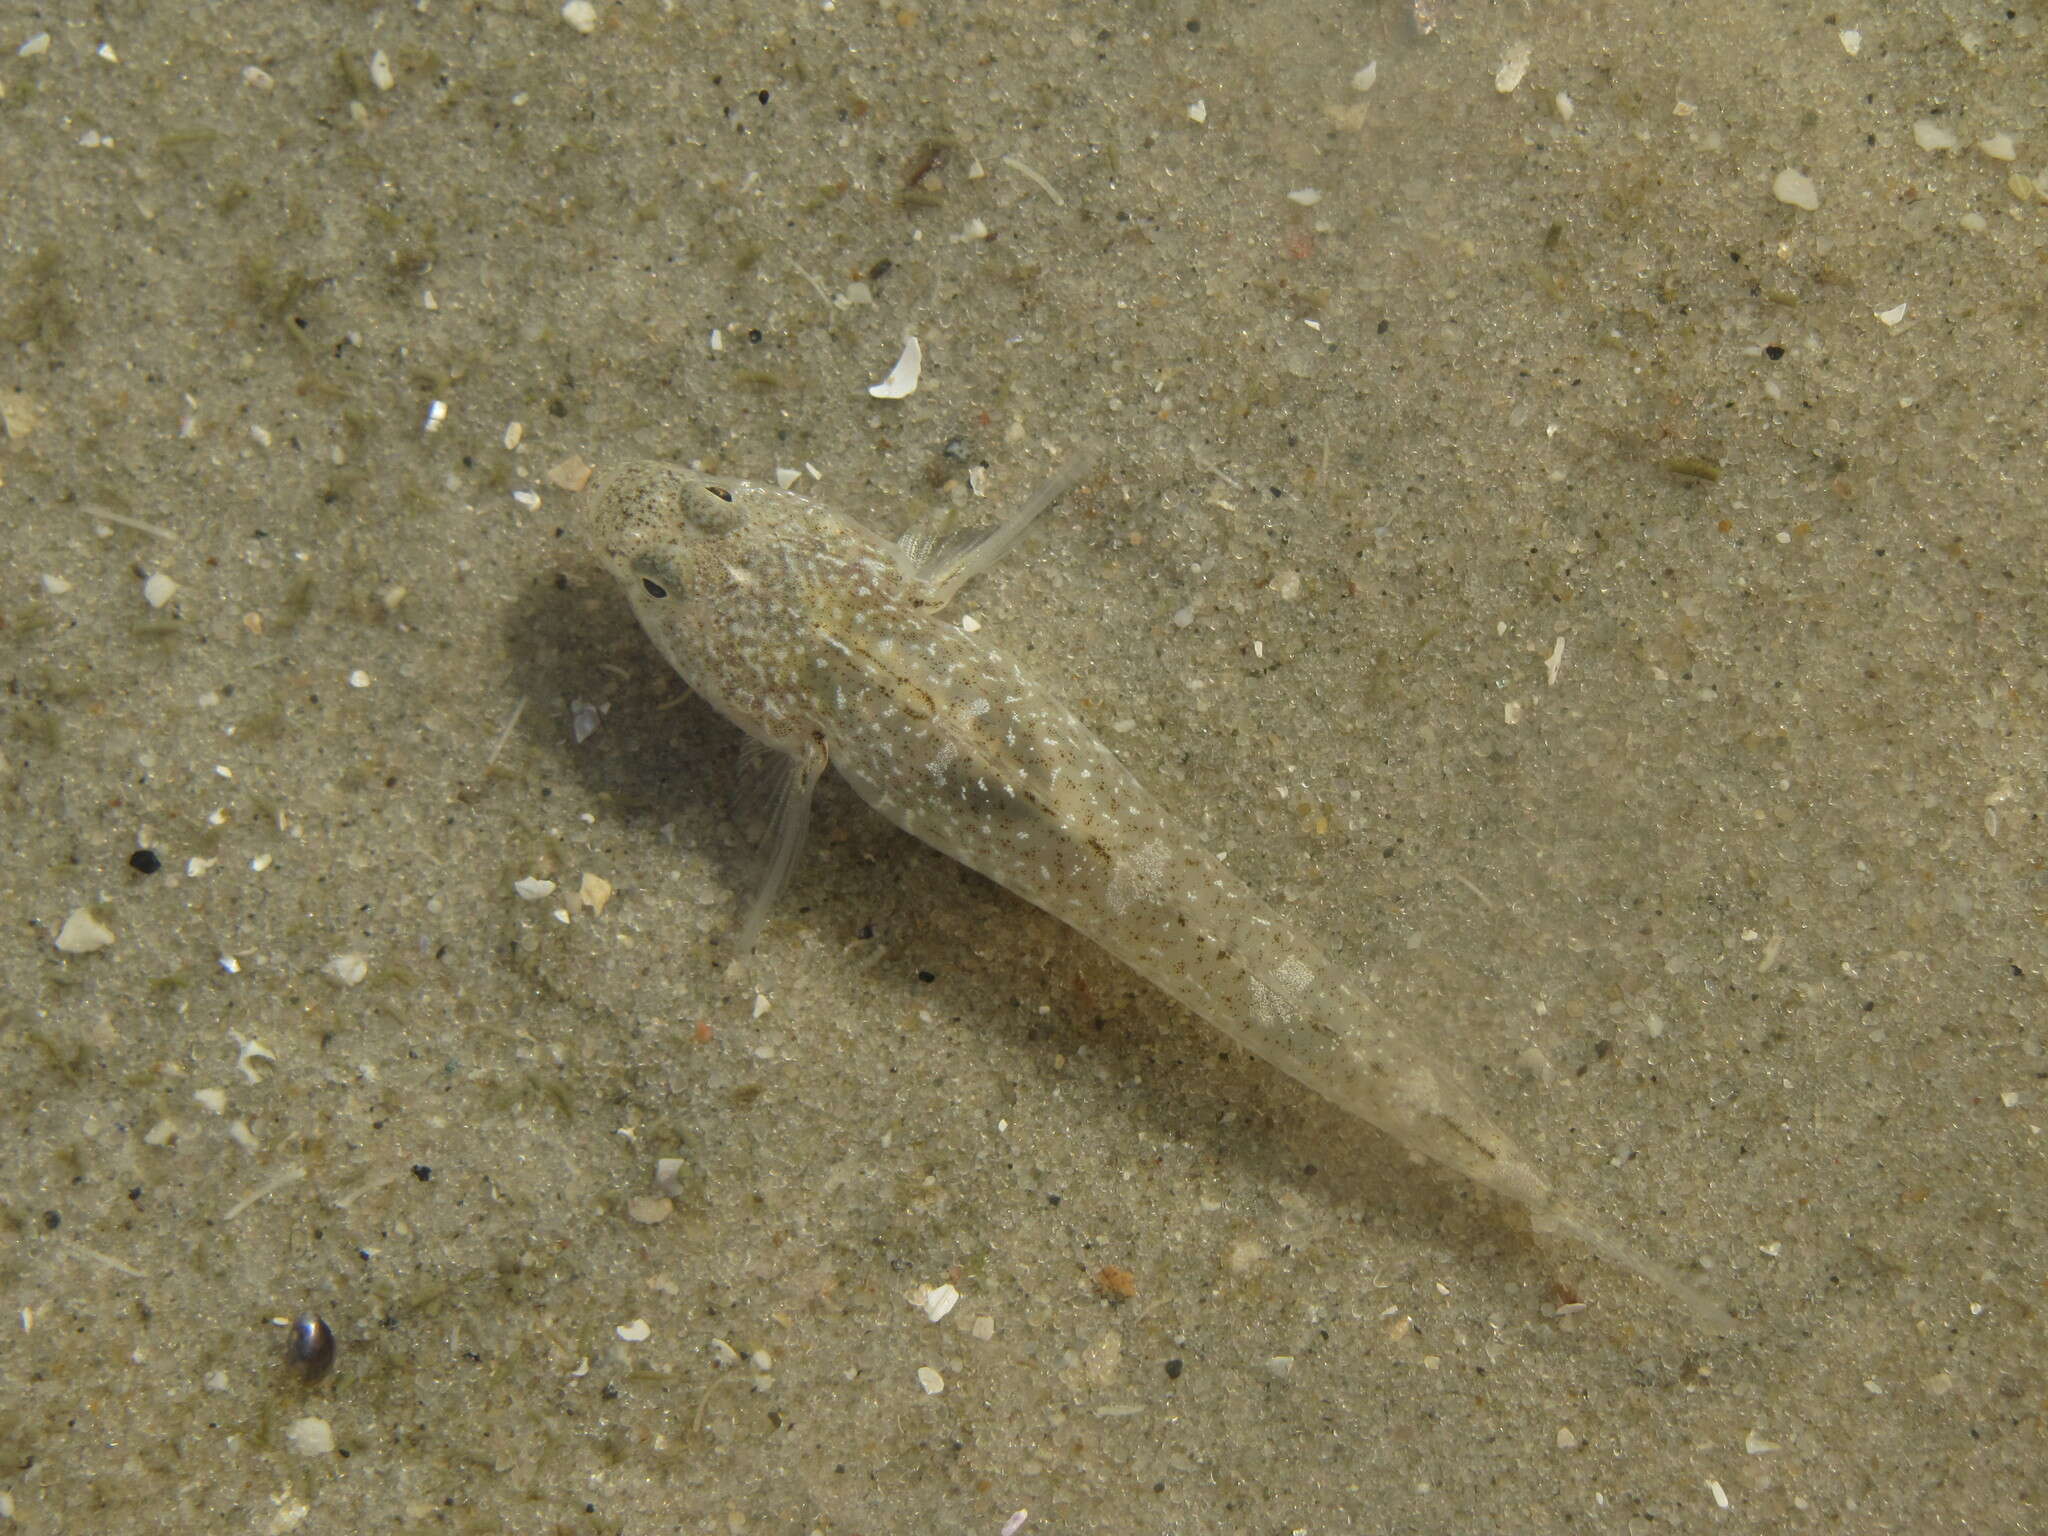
654, 588
720, 492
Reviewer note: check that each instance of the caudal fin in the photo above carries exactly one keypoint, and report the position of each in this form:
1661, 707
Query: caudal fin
1582, 1229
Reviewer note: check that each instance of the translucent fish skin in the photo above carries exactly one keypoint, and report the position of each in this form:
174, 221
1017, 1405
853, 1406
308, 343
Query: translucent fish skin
824, 642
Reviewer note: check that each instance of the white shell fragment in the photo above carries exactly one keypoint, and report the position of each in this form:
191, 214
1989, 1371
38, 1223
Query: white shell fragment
1893, 315
1198, 111
938, 1301
1364, 79
930, 1380
902, 380
582, 15
638, 1331
83, 933
1999, 146
533, 889
1852, 41
159, 589
348, 969
1795, 188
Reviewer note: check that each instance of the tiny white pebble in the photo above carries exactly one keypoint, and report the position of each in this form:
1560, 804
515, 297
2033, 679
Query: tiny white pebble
310, 1437
533, 889
930, 1380
35, 47
257, 79
1720, 1494
214, 1099
83, 933
939, 1301
158, 590
1893, 315
1852, 41
1512, 68
359, 678
349, 969
515, 434
380, 71
581, 15
1363, 79
1567, 109
1308, 197
1796, 189
1999, 147
437, 412
55, 586
1198, 111
638, 1331
1756, 1445
650, 1210
1929, 134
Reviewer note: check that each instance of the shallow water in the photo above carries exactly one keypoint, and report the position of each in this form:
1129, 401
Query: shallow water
1729, 906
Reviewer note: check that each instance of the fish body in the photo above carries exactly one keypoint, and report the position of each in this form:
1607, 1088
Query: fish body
828, 645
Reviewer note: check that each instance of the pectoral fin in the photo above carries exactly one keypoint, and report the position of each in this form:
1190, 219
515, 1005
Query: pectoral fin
792, 778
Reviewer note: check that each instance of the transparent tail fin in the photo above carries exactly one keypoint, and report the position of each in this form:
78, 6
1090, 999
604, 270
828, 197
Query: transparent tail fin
1590, 1234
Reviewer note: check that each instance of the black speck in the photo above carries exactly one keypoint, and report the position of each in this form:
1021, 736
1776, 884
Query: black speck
1173, 1370
52, 1220
422, 1172
144, 861
927, 977
1774, 352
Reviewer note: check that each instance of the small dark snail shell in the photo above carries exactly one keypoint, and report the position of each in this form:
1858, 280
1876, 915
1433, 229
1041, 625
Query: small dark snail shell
310, 1345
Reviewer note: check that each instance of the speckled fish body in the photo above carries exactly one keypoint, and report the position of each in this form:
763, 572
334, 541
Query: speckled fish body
825, 643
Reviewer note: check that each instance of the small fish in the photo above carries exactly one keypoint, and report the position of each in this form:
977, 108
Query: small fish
826, 644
